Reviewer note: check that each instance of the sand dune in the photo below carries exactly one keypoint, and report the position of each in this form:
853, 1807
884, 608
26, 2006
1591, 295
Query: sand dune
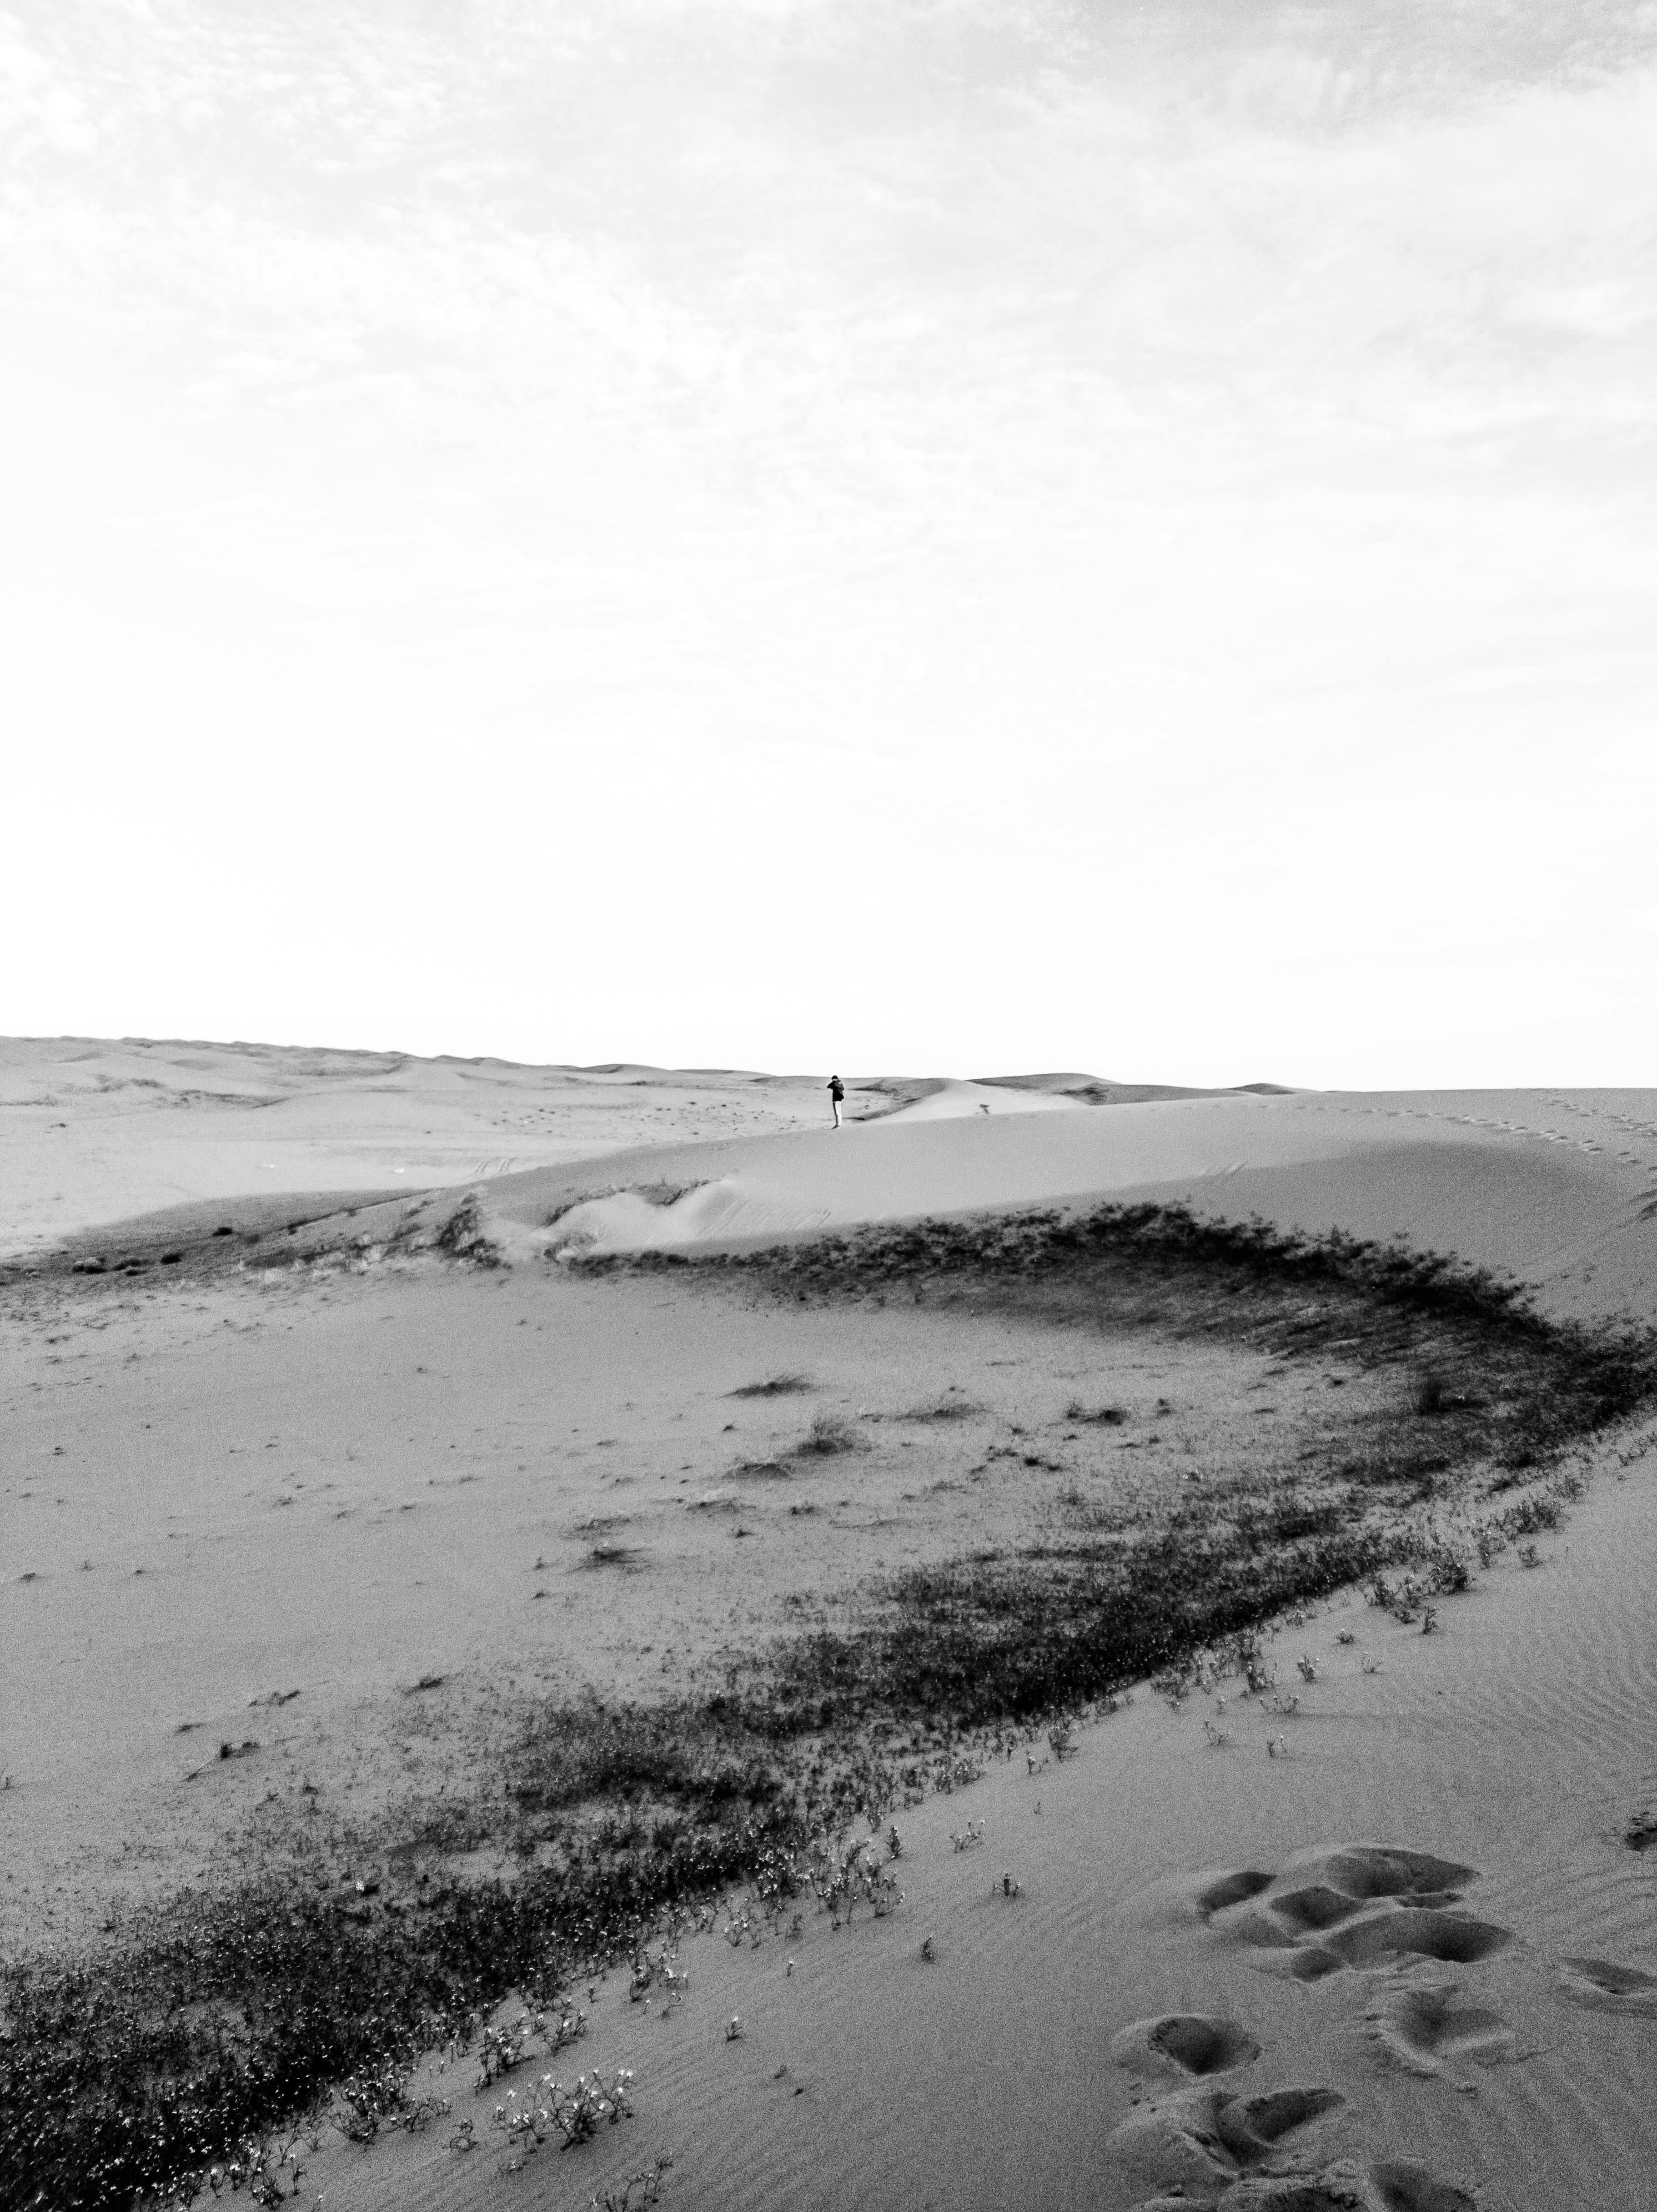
952, 1100
96, 1129
1559, 1189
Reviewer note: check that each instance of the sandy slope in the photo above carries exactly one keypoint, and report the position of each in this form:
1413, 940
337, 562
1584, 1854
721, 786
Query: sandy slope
95, 1129
1511, 1745
952, 1101
342, 1480
1560, 1188
340, 1487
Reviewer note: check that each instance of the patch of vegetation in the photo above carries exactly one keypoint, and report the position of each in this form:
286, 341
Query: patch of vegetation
947, 1408
1495, 1375
625, 1556
1004, 1636
831, 1433
779, 1386
125, 2075
128, 2070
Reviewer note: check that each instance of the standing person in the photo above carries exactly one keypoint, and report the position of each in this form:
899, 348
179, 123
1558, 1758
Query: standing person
837, 1091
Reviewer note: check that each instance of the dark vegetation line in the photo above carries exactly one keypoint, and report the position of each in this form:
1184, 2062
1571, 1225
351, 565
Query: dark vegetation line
125, 2070
1163, 1266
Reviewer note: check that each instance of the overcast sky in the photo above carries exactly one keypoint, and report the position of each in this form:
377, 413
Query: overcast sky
906, 534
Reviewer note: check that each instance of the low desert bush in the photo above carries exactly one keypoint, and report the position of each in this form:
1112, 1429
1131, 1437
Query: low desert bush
1432, 1394
636, 2191
830, 1434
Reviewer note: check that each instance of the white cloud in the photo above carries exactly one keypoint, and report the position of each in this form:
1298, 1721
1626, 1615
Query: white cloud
960, 443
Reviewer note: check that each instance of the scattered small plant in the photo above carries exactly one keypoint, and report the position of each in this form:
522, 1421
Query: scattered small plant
971, 1836
575, 2115
1008, 1886
1447, 1568
1307, 1667
1216, 1736
375, 2097
646, 1973
501, 2049
741, 1928
1433, 1394
830, 1432
953, 1770
845, 1876
639, 2190
1529, 1556
270, 2176
734, 2028
1344, 1636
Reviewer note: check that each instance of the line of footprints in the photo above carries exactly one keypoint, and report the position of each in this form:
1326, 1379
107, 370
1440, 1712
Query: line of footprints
1209, 2149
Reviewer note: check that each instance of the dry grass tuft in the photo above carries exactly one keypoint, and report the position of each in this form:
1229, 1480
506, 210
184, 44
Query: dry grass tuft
831, 1433
950, 1408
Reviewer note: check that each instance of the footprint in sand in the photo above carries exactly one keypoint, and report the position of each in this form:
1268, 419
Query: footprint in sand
1423, 2026
1452, 1938
1207, 2139
1608, 1987
1401, 2185
1389, 2185
1187, 2044
1362, 1906
1217, 1891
